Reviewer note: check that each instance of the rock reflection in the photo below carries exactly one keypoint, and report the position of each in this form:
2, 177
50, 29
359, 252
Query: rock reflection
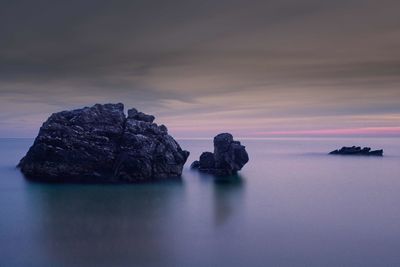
95, 225
228, 198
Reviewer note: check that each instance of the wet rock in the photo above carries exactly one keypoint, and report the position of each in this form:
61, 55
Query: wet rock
357, 151
228, 158
100, 144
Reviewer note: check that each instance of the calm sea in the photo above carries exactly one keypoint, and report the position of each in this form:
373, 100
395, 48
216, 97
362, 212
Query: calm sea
292, 205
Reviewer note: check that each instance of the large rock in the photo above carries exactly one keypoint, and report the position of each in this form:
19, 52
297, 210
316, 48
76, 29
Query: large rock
357, 151
228, 158
100, 144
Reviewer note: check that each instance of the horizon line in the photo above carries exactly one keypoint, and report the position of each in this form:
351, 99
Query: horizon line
258, 138
365, 132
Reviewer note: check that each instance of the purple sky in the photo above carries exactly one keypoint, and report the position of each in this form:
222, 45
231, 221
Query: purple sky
254, 68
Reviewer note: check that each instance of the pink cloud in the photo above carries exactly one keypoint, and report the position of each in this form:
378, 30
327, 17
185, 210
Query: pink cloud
370, 131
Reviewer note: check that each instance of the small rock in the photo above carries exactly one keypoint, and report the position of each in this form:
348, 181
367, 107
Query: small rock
207, 161
195, 164
357, 151
140, 116
228, 158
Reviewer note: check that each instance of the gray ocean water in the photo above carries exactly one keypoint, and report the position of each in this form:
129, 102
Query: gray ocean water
292, 205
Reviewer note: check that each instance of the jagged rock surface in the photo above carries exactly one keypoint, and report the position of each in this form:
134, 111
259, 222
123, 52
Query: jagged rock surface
100, 144
228, 158
356, 150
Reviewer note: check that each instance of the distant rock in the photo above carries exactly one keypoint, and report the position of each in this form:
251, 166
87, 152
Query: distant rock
356, 150
228, 158
100, 144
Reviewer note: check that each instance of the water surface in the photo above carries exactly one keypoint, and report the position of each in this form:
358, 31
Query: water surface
292, 205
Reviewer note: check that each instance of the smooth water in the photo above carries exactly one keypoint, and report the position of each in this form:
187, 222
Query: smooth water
292, 205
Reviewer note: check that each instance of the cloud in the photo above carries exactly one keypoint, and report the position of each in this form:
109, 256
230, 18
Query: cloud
191, 62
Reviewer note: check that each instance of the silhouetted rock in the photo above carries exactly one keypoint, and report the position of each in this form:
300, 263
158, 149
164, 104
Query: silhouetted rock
140, 116
228, 158
195, 164
207, 161
356, 150
100, 144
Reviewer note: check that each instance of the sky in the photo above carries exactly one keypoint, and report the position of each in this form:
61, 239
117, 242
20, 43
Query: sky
257, 69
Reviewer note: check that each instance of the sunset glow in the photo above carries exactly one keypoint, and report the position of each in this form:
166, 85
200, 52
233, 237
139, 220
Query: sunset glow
373, 131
